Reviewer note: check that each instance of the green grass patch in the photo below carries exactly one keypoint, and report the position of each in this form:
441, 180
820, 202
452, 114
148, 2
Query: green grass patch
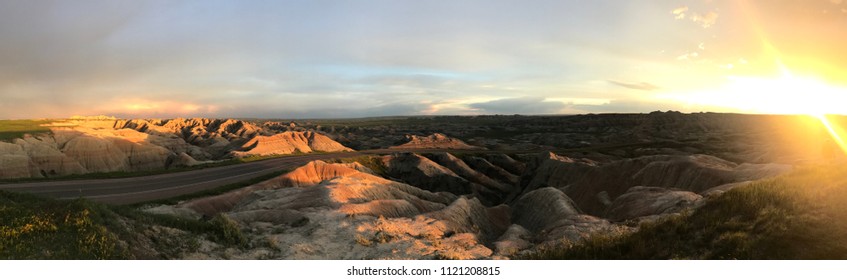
374, 163
798, 216
11, 129
32, 227
36, 228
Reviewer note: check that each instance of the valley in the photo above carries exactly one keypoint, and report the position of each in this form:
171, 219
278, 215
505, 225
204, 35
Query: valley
480, 187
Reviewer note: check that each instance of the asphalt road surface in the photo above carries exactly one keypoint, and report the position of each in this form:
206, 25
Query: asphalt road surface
146, 188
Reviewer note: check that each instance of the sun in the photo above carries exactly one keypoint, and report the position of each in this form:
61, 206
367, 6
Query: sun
789, 95
783, 95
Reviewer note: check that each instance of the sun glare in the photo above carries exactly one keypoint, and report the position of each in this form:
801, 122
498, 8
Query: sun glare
785, 95
835, 131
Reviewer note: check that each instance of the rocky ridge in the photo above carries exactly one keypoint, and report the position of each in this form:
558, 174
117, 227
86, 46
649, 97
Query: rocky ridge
434, 141
434, 206
107, 145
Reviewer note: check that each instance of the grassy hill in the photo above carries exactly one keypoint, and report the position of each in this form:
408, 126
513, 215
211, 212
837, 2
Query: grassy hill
32, 227
802, 215
11, 129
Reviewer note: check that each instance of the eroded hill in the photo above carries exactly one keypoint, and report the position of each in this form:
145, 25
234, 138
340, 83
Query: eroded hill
432, 206
98, 146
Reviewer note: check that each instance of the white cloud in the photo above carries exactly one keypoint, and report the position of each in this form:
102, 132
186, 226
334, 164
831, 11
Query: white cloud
706, 20
688, 56
679, 13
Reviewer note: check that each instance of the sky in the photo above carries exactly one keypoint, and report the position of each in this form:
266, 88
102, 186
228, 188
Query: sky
331, 59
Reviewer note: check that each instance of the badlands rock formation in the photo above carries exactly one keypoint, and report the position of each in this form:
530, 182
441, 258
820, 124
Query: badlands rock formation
288, 143
440, 206
336, 211
434, 141
593, 186
108, 145
640, 202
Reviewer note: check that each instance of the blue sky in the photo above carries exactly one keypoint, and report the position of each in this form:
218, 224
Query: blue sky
298, 59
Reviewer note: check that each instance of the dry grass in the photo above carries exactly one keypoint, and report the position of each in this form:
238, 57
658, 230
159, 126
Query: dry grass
802, 215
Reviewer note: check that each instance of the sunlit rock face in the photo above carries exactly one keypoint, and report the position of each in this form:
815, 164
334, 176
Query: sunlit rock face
439, 205
96, 146
436, 206
434, 141
288, 143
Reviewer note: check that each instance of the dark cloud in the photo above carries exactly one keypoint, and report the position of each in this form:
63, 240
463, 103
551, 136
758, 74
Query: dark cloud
638, 86
520, 105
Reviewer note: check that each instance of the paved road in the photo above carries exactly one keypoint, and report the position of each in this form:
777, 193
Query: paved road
146, 188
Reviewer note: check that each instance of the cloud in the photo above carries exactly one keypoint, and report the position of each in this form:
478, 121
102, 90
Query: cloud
688, 56
679, 13
624, 106
706, 20
520, 105
638, 86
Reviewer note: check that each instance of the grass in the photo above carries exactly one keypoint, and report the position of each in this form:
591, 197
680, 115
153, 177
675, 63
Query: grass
374, 163
11, 129
798, 216
33, 227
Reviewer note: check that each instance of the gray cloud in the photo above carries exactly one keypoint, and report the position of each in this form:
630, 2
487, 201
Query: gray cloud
624, 106
638, 86
520, 105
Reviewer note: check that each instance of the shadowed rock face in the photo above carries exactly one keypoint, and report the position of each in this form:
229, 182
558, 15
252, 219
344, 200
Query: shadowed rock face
584, 181
649, 201
440, 209
492, 191
424, 173
551, 216
506, 163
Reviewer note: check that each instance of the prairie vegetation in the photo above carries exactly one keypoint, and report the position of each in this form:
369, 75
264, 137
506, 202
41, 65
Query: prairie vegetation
797, 216
11, 129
